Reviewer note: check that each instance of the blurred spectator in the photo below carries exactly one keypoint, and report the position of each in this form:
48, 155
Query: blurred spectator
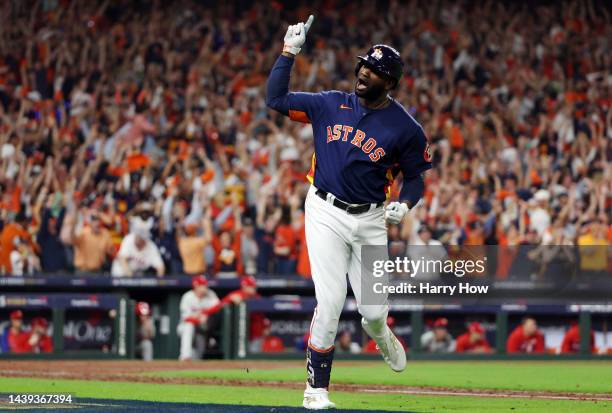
52, 251
438, 339
23, 259
539, 218
227, 258
345, 344
92, 243
396, 243
146, 330
248, 247
264, 235
192, 244
571, 340
138, 255
473, 341
423, 247
14, 338
371, 346
526, 338
12, 236
593, 248
267, 343
39, 339
194, 322
285, 245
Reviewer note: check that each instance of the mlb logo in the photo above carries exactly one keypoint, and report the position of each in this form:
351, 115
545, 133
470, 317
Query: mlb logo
377, 54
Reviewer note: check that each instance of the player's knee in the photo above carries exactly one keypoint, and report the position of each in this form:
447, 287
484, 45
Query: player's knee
373, 313
186, 328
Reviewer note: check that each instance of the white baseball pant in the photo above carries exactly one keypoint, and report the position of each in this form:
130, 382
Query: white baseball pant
334, 239
188, 332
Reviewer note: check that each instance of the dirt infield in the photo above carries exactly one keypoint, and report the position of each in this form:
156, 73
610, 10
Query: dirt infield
131, 371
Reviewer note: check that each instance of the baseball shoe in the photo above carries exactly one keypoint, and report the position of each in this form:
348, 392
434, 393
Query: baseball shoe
317, 399
390, 347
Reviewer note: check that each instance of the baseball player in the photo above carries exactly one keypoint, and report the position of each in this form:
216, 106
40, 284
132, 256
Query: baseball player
571, 340
438, 339
473, 340
39, 339
361, 140
247, 290
526, 338
146, 330
193, 304
15, 339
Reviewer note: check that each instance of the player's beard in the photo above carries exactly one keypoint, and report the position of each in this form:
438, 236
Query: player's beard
373, 92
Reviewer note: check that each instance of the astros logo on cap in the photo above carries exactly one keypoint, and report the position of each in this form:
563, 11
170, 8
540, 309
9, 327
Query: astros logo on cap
377, 54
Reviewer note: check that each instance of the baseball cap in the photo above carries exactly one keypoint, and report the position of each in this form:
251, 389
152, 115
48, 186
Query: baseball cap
142, 308
40, 321
248, 281
440, 322
476, 327
17, 314
199, 280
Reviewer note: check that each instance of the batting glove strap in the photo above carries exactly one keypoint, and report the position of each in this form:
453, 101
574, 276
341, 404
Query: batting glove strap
291, 49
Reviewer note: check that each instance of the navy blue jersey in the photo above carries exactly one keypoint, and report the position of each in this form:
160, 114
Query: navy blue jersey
356, 149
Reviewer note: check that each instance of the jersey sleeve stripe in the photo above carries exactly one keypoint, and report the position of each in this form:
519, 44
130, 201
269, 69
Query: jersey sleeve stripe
298, 116
311, 172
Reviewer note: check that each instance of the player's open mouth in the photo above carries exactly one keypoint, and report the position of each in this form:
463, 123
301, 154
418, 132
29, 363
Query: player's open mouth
361, 84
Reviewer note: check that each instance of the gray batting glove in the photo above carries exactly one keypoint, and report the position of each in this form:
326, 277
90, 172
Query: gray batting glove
296, 36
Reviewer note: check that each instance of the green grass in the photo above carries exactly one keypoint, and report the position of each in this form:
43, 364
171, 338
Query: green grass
567, 376
288, 397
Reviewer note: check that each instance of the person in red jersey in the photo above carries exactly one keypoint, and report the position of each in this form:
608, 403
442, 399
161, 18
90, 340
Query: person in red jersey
526, 338
248, 289
145, 330
473, 341
39, 340
267, 342
17, 338
571, 340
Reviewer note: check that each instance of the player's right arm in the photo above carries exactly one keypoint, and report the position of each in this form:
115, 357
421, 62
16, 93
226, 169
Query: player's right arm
298, 106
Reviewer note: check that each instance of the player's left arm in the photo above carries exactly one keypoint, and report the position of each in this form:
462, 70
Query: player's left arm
414, 160
299, 106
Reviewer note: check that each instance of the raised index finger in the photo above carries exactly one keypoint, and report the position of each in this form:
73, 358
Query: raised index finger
308, 23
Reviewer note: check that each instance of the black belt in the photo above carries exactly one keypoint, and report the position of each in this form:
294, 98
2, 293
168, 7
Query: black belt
349, 208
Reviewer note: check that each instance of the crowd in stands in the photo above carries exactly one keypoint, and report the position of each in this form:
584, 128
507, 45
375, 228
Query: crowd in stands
134, 136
